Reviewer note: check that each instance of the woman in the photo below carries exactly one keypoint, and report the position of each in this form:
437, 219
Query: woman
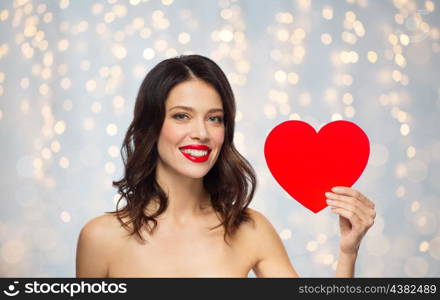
187, 191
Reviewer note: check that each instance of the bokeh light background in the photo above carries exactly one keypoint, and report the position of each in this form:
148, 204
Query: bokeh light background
70, 71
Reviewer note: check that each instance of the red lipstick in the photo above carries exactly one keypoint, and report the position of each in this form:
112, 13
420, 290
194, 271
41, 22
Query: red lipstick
194, 158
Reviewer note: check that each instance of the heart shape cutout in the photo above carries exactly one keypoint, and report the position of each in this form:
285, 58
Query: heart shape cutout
307, 164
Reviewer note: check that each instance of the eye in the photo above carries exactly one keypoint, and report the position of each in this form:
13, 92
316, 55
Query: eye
219, 118
179, 116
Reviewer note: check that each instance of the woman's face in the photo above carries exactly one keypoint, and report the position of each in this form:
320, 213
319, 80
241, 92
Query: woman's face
193, 130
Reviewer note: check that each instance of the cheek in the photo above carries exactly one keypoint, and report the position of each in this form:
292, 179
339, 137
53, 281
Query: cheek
170, 133
219, 136
168, 140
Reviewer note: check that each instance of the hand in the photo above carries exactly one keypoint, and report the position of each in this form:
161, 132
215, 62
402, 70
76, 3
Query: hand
356, 215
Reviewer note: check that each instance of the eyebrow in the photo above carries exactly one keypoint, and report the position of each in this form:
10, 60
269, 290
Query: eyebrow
191, 109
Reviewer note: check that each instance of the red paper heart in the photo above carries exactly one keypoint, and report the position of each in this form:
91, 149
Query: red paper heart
307, 164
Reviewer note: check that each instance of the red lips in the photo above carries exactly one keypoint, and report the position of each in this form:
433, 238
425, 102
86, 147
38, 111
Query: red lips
196, 158
196, 147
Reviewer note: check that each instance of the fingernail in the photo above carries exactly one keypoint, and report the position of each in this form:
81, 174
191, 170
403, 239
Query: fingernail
336, 189
329, 201
328, 194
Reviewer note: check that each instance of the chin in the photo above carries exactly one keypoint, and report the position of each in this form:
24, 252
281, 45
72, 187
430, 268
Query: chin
194, 170
195, 174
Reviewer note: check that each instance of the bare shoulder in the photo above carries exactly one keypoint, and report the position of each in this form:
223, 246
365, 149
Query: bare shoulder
254, 233
100, 228
259, 219
97, 240
259, 223
260, 227
271, 257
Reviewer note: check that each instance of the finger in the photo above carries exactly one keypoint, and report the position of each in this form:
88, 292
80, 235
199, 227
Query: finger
362, 215
366, 223
351, 216
366, 210
353, 193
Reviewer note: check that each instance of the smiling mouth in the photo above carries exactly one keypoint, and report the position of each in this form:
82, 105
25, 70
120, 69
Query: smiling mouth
196, 155
194, 152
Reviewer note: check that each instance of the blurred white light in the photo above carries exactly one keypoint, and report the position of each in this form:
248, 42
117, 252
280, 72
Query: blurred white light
148, 53
112, 129
65, 216
285, 234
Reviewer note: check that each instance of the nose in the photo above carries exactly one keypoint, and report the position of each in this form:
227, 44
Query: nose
199, 130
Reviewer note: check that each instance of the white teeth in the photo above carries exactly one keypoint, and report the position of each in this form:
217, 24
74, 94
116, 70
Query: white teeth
194, 152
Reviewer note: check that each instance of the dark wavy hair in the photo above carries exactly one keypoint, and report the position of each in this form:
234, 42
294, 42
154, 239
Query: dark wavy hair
231, 182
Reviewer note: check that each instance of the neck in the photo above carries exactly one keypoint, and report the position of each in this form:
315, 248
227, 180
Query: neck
187, 198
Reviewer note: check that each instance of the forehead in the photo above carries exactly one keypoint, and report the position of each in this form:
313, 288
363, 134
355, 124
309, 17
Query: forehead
194, 93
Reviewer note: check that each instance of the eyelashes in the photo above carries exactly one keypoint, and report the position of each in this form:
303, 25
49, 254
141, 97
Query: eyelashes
181, 116
219, 119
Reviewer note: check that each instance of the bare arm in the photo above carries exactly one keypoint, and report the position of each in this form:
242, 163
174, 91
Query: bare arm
356, 216
92, 249
272, 258
345, 267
